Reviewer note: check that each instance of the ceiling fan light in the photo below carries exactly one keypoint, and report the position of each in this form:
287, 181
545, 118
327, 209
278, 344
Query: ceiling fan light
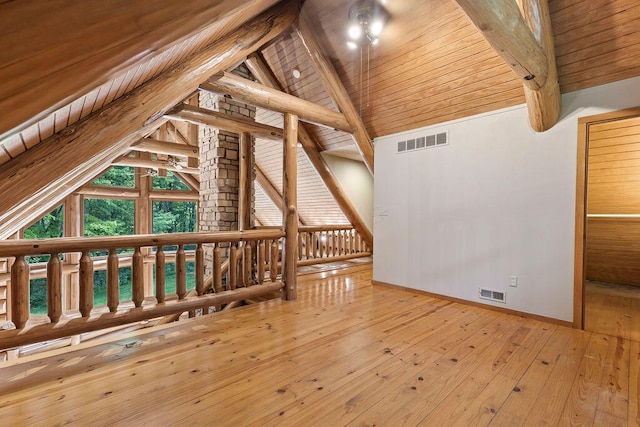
376, 27
355, 31
351, 45
374, 41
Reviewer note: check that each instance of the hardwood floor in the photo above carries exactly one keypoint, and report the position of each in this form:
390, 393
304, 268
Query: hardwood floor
613, 309
344, 353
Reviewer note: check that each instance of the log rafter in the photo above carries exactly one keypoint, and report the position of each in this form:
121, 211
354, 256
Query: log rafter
261, 70
275, 100
84, 149
333, 85
520, 32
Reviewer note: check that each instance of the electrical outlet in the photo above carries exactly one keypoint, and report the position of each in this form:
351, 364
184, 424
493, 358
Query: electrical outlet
513, 281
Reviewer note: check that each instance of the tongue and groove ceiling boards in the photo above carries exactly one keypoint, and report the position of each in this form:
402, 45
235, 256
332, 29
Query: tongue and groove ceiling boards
431, 65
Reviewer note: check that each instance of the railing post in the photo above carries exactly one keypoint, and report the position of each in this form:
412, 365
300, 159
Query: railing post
54, 288
217, 269
160, 275
113, 289
290, 208
20, 292
86, 284
137, 278
233, 266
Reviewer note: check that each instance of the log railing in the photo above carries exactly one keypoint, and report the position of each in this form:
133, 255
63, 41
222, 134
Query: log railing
245, 270
329, 243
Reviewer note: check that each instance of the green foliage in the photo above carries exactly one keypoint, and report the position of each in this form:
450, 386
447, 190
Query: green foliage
50, 225
174, 217
114, 217
117, 176
169, 182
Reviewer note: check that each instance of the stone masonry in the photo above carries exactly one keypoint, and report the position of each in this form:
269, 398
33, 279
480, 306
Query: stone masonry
219, 166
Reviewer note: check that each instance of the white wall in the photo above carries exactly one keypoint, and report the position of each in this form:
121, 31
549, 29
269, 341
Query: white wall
356, 182
498, 201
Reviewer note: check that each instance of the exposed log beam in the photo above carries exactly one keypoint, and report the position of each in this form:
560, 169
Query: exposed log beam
544, 105
337, 91
245, 185
271, 191
137, 162
149, 145
271, 99
108, 192
502, 24
45, 70
260, 69
202, 116
30, 186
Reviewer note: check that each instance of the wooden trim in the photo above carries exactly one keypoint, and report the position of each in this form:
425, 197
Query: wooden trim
581, 209
337, 258
274, 100
475, 304
174, 195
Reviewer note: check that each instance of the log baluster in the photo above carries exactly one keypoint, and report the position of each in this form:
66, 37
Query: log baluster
181, 273
137, 278
233, 267
314, 245
20, 292
334, 243
54, 288
273, 264
113, 289
261, 261
86, 284
200, 270
217, 269
352, 241
160, 275
299, 246
307, 247
246, 263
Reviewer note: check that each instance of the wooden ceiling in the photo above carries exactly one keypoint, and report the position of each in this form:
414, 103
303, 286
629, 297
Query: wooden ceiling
431, 65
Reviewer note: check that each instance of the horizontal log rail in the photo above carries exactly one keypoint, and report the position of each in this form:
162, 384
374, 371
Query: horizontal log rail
329, 243
245, 270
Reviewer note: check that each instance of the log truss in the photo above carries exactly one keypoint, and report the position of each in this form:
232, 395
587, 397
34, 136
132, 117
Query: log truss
520, 32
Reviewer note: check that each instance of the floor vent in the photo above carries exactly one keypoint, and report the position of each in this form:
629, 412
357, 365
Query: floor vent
492, 295
426, 141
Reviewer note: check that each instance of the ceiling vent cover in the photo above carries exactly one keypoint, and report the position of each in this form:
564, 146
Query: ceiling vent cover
422, 142
492, 295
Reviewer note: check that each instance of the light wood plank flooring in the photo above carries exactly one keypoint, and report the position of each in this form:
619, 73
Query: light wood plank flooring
344, 353
612, 309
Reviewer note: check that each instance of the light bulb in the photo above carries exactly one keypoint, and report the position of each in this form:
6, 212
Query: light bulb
374, 41
352, 45
355, 31
376, 27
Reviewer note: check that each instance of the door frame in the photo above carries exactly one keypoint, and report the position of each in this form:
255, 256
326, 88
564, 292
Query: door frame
581, 205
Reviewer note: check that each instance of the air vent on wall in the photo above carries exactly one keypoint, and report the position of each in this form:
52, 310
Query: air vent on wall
492, 295
427, 141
